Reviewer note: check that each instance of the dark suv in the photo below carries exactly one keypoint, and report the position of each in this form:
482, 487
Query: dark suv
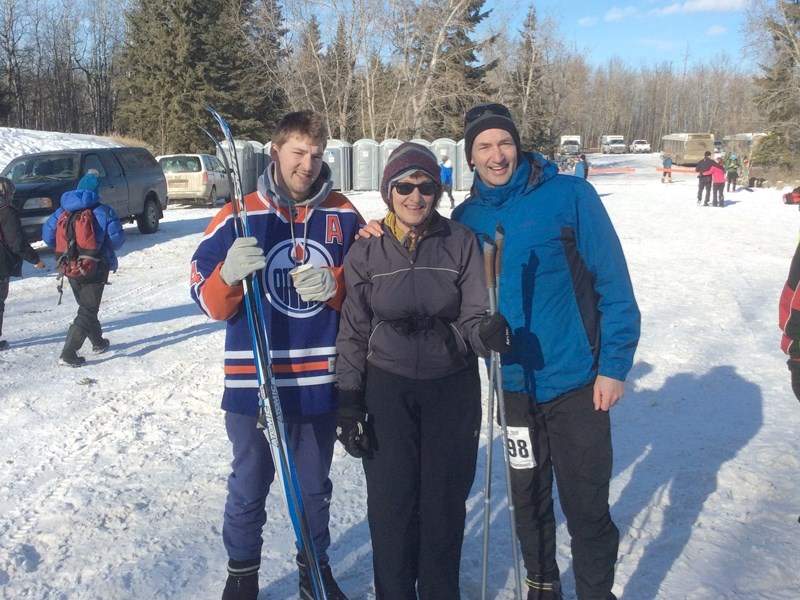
131, 182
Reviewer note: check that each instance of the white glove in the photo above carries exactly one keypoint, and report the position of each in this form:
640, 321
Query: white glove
313, 284
245, 256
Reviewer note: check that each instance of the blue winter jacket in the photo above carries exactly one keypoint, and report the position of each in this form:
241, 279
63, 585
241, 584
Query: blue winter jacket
108, 228
446, 169
564, 288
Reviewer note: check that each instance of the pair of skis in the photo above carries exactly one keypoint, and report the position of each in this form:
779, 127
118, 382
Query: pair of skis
492, 259
270, 417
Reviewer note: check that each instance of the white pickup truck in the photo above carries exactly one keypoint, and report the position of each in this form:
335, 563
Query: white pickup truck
640, 146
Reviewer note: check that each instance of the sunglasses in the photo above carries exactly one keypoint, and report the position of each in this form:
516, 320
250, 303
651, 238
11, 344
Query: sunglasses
477, 111
426, 188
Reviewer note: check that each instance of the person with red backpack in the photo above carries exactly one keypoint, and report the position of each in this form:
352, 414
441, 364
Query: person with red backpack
14, 248
85, 234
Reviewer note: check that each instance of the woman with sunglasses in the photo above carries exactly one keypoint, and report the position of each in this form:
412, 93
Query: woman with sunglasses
409, 391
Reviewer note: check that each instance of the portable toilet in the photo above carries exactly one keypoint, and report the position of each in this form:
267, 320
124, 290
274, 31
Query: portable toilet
260, 159
446, 147
425, 143
386, 148
366, 161
245, 155
338, 155
462, 175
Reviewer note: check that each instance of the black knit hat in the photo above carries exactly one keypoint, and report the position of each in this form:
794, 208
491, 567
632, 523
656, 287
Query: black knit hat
408, 158
7, 189
488, 115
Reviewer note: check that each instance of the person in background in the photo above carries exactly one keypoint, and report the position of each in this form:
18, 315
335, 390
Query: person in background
300, 232
666, 164
88, 293
704, 181
581, 167
745, 174
789, 321
446, 167
413, 320
717, 173
575, 324
732, 166
14, 248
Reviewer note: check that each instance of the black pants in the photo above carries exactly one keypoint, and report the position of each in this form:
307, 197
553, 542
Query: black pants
3, 295
719, 194
88, 295
448, 189
573, 440
732, 176
704, 183
418, 480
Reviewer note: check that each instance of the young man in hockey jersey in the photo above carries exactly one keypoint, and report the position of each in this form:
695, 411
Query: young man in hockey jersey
301, 231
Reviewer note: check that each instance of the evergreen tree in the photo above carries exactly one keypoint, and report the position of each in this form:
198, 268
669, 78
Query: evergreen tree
181, 57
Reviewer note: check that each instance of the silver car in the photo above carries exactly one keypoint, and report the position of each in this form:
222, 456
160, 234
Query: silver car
195, 178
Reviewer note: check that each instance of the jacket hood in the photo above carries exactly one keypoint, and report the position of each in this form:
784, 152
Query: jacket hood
79, 199
319, 190
532, 171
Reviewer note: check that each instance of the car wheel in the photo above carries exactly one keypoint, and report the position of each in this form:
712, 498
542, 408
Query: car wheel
148, 220
212, 197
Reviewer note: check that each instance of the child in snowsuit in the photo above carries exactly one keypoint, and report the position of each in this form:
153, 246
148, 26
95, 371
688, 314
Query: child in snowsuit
14, 248
666, 163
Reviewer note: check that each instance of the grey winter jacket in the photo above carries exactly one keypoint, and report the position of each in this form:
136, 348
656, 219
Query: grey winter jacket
412, 314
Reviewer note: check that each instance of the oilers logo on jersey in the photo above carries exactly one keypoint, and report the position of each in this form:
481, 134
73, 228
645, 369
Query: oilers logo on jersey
281, 259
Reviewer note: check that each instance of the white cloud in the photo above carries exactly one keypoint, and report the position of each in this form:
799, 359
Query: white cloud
618, 14
587, 21
660, 44
716, 30
691, 6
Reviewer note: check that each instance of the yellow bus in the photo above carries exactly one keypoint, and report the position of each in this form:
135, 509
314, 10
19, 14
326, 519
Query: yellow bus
687, 148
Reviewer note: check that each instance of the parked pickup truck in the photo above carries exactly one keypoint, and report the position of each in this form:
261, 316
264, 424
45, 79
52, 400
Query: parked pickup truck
131, 182
638, 146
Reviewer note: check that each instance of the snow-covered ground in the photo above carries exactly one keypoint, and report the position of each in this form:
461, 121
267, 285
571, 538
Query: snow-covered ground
114, 474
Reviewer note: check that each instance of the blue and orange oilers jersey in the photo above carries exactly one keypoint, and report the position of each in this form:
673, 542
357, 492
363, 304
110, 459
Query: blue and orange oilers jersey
302, 335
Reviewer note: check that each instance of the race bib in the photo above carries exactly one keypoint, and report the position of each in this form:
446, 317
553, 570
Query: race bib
520, 449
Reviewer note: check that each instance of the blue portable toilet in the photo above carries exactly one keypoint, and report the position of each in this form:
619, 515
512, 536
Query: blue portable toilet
386, 149
462, 175
338, 155
366, 161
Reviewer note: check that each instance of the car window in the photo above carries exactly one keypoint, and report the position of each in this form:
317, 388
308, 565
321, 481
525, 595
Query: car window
216, 165
110, 164
92, 161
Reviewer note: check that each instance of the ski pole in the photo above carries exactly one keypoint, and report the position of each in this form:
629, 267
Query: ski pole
488, 265
493, 285
270, 417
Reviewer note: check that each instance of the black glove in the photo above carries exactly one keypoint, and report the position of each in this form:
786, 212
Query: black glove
353, 431
794, 368
353, 427
494, 333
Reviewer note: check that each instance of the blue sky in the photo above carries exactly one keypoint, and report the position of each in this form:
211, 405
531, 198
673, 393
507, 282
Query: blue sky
644, 32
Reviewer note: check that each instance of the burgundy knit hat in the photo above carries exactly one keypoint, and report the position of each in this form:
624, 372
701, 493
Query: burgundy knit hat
408, 158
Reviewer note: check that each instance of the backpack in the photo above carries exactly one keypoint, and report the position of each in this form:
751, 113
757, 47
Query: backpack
76, 245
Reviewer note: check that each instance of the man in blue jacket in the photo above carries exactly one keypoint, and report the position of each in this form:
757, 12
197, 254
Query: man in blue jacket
568, 299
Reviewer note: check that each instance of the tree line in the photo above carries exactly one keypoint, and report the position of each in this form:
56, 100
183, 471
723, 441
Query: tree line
375, 68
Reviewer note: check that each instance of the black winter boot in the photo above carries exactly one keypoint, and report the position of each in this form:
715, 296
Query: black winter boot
242, 583
99, 343
3, 344
540, 589
307, 588
69, 355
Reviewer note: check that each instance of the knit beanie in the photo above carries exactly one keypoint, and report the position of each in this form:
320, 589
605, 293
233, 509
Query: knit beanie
7, 189
89, 182
408, 158
487, 120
